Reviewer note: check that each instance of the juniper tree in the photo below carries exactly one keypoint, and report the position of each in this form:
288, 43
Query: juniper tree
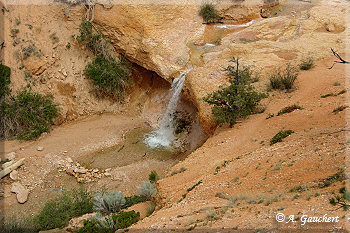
238, 100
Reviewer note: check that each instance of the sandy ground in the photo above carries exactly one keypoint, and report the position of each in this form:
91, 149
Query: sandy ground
41, 175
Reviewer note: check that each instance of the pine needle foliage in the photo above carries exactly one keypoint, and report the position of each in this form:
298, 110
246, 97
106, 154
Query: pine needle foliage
238, 100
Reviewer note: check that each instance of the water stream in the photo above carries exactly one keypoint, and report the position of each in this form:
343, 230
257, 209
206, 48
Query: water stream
163, 136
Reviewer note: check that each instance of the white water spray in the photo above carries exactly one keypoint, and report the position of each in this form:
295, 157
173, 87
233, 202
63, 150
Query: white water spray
163, 136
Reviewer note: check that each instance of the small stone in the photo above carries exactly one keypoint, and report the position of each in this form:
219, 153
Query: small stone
70, 171
108, 169
65, 151
81, 170
40, 148
69, 160
107, 174
14, 175
11, 156
66, 12
95, 170
330, 27
80, 180
21, 191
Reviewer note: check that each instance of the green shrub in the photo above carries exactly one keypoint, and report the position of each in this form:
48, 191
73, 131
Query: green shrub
54, 38
280, 135
332, 94
57, 213
92, 39
339, 176
306, 64
238, 100
195, 185
341, 92
209, 14
289, 109
182, 169
283, 78
339, 109
27, 115
111, 223
327, 95
18, 225
153, 177
132, 200
5, 73
147, 189
298, 189
112, 202
110, 78
341, 200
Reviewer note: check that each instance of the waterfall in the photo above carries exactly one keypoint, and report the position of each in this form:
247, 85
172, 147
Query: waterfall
163, 136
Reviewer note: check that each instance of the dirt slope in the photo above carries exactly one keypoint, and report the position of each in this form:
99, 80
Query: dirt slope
256, 172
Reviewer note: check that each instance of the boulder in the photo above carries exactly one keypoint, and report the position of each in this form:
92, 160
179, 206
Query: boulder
76, 223
21, 191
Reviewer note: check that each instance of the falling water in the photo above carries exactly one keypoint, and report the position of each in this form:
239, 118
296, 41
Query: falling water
163, 136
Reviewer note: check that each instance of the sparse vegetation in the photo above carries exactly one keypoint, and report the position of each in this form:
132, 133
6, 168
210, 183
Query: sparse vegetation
54, 38
18, 21
342, 200
339, 109
298, 188
57, 213
238, 100
209, 13
217, 169
147, 189
153, 177
14, 32
280, 135
190, 189
68, 45
110, 77
296, 196
306, 64
151, 208
283, 78
5, 73
332, 94
339, 176
112, 202
18, 225
132, 200
29, 50
181, 122
341, 92
289, 109
110, 223
327, 95
27, 115
182, 169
